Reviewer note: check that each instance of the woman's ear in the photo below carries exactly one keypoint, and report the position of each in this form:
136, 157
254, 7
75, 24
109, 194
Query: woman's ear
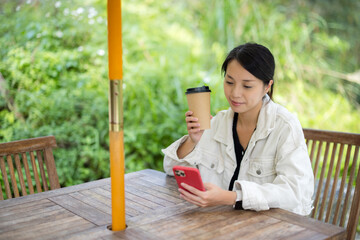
269, 86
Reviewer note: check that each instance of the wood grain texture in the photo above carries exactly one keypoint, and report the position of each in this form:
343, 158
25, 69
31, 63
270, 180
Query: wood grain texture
154, 210
27, 145
338, 185
17, 167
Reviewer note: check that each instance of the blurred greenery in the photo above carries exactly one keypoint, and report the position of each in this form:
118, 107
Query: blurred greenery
54, 73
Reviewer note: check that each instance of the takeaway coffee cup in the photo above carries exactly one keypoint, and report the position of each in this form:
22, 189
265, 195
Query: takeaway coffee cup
199, 103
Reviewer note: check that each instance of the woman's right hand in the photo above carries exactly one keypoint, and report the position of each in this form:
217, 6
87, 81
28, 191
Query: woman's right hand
193, 127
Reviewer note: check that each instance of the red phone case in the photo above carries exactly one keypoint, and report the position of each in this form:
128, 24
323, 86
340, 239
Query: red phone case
188, 175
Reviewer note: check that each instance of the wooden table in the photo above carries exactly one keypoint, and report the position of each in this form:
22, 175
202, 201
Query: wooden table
153, 211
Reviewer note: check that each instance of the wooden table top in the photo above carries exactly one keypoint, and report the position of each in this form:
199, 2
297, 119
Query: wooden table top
154, 210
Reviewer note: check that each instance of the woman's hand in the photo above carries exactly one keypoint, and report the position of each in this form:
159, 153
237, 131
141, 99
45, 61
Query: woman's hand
193, 127
213, 196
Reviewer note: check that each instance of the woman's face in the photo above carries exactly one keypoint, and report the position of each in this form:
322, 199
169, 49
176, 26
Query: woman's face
243, 90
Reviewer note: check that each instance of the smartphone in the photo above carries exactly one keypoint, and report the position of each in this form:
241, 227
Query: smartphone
188, 175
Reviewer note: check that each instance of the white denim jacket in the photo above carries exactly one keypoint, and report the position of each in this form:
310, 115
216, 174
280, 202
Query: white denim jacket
275, 171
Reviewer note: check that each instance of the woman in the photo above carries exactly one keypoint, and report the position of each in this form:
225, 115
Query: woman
254, 156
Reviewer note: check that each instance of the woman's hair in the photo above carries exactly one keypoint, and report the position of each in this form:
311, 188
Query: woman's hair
256, 59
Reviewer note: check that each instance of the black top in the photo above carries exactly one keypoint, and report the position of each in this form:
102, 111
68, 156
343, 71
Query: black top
239, 152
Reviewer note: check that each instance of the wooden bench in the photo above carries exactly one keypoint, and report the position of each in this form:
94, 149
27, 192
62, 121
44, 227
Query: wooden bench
18, 152
334, 158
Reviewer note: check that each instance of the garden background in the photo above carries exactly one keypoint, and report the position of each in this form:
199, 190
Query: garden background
54, 72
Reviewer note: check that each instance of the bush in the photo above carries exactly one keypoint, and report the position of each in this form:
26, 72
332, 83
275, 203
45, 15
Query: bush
55, 82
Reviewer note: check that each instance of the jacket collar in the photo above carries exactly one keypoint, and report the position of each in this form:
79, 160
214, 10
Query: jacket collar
267, 118
265, 124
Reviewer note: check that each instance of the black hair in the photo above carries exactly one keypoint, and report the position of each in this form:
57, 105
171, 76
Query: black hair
256, 59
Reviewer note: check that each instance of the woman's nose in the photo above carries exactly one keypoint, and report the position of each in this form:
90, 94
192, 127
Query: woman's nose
236, 92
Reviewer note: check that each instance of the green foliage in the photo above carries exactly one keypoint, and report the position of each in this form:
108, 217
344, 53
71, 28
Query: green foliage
56, 85
54, 66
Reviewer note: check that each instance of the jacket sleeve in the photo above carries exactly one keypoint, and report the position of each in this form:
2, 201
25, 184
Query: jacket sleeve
192, 159
293, 186
171, 158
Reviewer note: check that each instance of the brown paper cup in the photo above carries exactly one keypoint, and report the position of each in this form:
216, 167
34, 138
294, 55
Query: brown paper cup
199, 103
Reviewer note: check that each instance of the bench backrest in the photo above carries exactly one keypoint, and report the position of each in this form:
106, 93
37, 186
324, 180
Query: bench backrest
28, 157
335, 160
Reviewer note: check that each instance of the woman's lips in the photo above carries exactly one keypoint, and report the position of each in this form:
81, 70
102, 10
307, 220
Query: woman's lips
236, 103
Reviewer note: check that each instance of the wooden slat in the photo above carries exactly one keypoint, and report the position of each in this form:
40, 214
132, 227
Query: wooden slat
161, 214
154, 191
138, 206
21, 220
334, 185
12, 176
96, 233
1, 193
151, 198
98, 194
306, 234
339, 204
308, 223
318, 155
349, 188
20, 175
281, 230
5, 177
321, 180
92, 200
42, 170
244, 226
191, 221
51, 169
158, 186
312, 147
167, 194
201, 223
44, 226
331, 136
66, 228
328, 180
355, 213
83, 210
132, 212
27, 173
131, 234
27, 145
35, 171
102, 192
24, 209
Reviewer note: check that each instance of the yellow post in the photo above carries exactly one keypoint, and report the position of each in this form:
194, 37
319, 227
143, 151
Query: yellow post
116, 129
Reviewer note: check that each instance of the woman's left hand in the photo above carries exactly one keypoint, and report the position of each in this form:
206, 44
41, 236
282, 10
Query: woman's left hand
212, 196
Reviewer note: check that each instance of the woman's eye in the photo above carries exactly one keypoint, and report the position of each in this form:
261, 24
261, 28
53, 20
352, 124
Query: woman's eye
247, 87
230, 83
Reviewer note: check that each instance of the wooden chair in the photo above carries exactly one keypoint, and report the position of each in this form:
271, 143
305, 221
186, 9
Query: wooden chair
19, 152
334, 157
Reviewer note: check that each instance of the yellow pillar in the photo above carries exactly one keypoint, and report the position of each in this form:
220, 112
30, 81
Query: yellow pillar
116, 133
